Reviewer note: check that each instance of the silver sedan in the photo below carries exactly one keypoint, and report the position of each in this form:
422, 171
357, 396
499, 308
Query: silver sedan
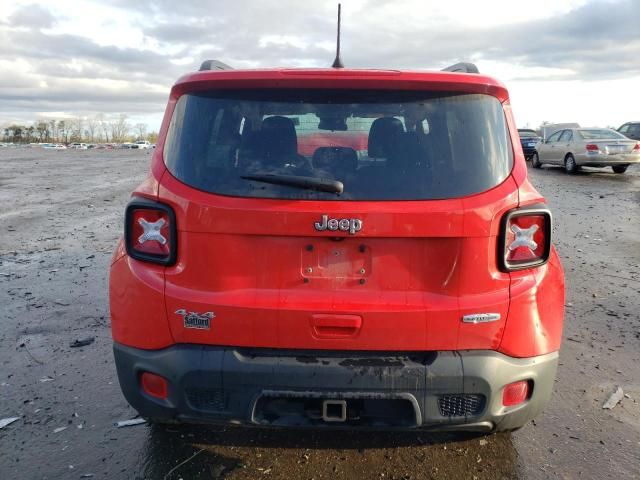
593, 147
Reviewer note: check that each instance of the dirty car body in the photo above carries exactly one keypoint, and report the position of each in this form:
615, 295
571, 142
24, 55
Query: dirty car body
405, 281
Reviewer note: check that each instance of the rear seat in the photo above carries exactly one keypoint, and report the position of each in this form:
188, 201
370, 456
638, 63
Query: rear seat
338, 163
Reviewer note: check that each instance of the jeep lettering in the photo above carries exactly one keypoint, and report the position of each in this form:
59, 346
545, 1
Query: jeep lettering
351, 225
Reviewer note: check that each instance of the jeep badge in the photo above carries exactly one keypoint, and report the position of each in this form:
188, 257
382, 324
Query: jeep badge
351, 225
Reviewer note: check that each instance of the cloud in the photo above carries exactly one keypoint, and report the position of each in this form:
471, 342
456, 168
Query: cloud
49, 63
32, 16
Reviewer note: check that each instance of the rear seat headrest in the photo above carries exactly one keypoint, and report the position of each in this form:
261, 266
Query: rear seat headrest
382, 136
340, 160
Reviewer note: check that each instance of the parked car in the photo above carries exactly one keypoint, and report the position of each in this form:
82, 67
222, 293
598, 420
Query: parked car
141, 144
54, 146
78, 146
593, 147
528, 140
630, 130
415, 286
550, 128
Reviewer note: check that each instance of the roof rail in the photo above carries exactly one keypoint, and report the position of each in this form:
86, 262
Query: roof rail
214, 65
463, 67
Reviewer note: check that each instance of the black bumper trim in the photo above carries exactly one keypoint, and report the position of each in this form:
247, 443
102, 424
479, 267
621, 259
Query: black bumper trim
225, 384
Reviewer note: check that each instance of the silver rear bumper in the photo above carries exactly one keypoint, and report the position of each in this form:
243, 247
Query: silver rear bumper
601, 160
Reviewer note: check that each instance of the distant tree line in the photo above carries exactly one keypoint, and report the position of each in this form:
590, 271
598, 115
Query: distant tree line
97, 129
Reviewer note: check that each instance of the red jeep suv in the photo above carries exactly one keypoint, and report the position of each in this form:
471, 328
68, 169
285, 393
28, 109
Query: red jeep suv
395, 272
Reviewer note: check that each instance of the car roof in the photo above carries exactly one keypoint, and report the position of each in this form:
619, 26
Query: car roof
338, 78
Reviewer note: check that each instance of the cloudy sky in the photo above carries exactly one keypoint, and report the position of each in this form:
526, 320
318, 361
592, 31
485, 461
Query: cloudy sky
569, 60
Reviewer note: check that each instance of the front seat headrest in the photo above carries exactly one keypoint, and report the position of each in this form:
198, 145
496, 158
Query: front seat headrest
279, 137
383, 133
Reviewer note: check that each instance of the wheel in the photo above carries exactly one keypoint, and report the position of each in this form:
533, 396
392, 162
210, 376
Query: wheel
570, 165
619, 168
535, 160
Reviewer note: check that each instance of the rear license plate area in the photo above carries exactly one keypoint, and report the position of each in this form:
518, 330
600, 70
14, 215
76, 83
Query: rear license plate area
336, 259
616, 149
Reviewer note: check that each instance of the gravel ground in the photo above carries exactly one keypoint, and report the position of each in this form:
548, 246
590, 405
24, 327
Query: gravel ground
61, 217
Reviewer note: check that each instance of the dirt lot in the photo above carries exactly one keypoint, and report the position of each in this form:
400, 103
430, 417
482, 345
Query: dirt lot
61, 216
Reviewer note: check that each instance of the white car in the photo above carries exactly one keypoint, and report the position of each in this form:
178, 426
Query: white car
142, 144
54, 146
78, 146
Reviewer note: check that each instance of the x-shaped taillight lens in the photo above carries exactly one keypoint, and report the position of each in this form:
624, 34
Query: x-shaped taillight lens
150, 231
525, 238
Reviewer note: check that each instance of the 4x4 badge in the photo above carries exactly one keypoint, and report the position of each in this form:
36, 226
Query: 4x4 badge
351, 225
201, 321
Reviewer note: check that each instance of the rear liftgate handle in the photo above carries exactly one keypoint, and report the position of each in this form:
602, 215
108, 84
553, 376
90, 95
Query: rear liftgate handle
335, 326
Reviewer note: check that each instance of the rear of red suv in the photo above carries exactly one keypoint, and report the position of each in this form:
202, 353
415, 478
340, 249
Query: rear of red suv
338, 247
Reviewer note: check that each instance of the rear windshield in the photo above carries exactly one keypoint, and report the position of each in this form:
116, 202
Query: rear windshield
599, 134
377, 145
527, 133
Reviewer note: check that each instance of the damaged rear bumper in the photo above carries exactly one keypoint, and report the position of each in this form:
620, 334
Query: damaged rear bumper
436, 390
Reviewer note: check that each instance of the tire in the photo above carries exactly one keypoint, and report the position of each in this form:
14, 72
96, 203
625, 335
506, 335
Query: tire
570, 165
619, 168
535, 160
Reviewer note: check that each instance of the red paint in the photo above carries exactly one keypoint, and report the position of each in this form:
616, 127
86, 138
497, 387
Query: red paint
402, 283
136, 301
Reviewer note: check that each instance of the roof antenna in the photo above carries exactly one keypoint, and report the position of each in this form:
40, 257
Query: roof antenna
337, 63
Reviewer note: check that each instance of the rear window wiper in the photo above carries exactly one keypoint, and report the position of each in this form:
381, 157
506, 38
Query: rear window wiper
310, 183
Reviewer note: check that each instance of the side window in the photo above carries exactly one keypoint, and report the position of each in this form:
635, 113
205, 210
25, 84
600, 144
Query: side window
566, 136
624, 128
554, 137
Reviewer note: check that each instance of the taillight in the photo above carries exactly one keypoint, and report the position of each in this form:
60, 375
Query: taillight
636, 147
515, 393
150, 231
592, 147
525, 238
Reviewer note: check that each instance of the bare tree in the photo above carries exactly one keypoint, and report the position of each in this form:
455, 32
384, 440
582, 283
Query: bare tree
77, 129
92, 127
54, 130
104, 126
63, 132
141, 130
120, 128
16, 132
43, 130
8, 132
